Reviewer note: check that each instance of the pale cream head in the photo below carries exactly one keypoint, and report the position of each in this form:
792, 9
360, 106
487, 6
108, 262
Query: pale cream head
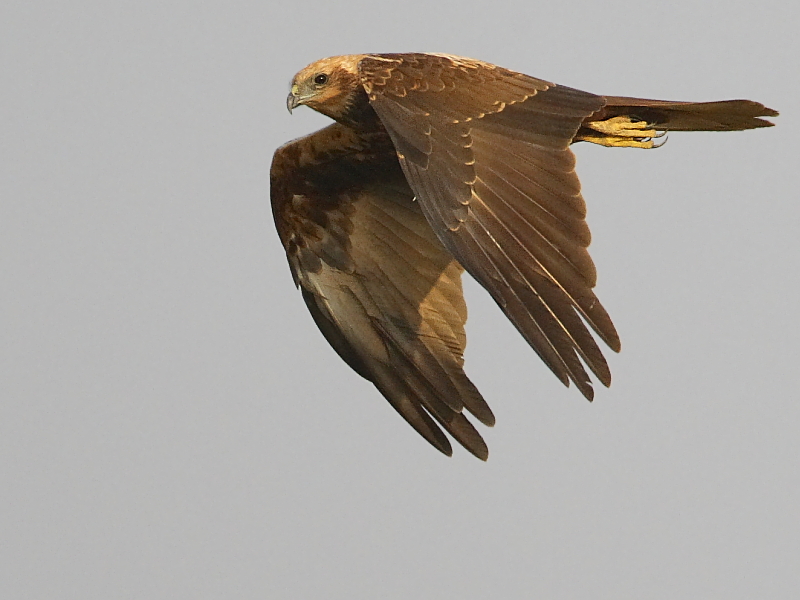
327, 85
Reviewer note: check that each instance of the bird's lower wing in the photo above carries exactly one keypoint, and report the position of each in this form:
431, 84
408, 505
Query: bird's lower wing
387, 296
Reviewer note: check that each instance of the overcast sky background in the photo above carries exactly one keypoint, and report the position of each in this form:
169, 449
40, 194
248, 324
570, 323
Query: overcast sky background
172, 424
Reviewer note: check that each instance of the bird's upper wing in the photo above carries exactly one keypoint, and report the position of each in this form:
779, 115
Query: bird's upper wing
486, 152
381, 287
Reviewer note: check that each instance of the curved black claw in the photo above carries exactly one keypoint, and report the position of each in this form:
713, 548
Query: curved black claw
665, 136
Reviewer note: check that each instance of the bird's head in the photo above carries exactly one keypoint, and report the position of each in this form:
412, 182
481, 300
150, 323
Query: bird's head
329, 86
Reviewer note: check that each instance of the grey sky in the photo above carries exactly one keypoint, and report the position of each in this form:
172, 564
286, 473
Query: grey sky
172, 424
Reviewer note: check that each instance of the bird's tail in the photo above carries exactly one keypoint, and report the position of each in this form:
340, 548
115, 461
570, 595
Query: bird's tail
637, 123
663, 115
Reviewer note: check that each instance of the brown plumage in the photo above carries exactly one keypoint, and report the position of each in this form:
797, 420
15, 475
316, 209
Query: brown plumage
437, 164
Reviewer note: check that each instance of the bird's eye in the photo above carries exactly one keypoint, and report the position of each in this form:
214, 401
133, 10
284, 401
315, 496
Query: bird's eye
321, 79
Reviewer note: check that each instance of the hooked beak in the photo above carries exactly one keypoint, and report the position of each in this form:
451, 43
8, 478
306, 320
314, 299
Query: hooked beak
292, 101
295, 98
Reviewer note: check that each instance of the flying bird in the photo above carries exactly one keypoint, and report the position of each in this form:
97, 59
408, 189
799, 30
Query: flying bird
437, 164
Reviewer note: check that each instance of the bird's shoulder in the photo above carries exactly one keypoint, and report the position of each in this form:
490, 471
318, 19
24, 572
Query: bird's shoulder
481, 86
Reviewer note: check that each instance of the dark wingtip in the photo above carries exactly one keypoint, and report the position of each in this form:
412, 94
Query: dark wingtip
587, 391
480, 451
442, 444
585, 388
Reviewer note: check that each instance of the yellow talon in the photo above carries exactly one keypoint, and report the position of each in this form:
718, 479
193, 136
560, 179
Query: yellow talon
616, 141
624, 127
621, 132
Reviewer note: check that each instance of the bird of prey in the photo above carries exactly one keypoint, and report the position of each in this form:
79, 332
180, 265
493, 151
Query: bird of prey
437, 164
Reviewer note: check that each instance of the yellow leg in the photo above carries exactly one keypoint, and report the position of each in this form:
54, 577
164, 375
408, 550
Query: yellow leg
621, 132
